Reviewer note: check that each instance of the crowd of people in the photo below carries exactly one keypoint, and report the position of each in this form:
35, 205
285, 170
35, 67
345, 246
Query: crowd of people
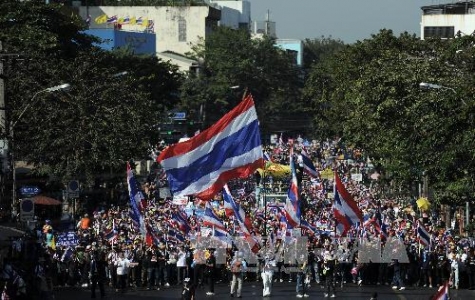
110, 249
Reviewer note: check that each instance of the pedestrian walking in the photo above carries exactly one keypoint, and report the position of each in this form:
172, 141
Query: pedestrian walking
122, 265
397, 280
238, 268
97, 273
329, 273
188, 291
210, 266
266, 274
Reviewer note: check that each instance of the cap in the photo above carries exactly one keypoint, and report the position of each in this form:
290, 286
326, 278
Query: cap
187, 279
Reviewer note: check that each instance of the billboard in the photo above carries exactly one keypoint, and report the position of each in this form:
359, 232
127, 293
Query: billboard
139, 42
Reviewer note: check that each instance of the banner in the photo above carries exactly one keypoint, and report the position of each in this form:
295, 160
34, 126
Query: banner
66, 239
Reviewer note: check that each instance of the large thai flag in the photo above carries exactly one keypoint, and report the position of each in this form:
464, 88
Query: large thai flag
210, 219
229, 149
292, 206
136, 200
345, 209
308, 166
423, 235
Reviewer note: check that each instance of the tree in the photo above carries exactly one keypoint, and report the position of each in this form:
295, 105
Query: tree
103, 120
369, 93
231, 58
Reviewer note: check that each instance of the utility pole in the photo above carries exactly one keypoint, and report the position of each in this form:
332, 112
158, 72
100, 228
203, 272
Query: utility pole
3, 131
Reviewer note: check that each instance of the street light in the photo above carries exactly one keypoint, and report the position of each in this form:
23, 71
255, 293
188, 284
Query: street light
428, 86
30, 103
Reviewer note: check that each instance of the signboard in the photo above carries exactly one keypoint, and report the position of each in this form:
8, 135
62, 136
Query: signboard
67, 239
179, 116
27, 209
180, 200
73, 189
30, 190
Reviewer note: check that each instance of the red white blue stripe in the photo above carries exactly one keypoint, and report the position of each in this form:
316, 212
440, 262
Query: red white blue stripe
442, 293
292, 206
308, 166
210, 219
240, 216
136, 199
229, 149
345, 209
423, 235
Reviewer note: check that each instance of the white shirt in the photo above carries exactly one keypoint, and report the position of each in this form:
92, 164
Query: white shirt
122, 266
181, 262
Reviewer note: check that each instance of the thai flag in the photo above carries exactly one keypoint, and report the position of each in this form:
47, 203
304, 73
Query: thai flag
308, 166
136, 200
442, 293
345, 209
211, 219
292, 207
111, 236
267, 156
112, 19
306, 225
244, 223
423, 235
151, 237
172, 235
181, 221
229, 149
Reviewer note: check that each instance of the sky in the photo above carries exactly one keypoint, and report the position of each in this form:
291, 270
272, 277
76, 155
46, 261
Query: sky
347, 20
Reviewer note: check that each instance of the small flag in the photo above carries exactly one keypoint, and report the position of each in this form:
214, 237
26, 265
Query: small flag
292, 206
345, 209
101, 19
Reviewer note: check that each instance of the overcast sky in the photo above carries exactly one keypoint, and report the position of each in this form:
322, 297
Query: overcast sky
347, 20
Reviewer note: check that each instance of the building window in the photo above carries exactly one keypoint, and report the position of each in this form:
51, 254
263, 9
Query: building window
182, 30
446, 32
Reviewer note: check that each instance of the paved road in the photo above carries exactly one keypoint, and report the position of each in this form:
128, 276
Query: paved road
281, 291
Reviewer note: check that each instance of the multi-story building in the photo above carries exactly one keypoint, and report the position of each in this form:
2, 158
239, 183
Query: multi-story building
176, 28
448, 20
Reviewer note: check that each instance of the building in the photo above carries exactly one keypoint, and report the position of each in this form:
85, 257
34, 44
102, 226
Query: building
293, 47
176, 28
137, 42
448, 20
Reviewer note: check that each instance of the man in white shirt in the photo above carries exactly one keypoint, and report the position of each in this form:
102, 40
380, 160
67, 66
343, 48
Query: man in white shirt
267, 273
122, 265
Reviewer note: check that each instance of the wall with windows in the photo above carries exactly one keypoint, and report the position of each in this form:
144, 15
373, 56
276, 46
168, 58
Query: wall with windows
446, 20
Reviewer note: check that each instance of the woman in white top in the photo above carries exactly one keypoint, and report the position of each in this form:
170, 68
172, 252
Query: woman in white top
182, 268
122, 265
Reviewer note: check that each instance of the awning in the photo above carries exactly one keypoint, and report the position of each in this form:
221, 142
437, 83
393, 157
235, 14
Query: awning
43, 200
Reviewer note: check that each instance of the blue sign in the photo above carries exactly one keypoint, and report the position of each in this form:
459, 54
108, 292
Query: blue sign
27, 205
179, 116
29, 190
67, 239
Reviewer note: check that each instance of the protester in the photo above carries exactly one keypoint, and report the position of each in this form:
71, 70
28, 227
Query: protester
267, 274
168, 252
238, 267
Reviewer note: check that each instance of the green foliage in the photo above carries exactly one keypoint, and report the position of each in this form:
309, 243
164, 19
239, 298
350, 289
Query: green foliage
103, 120
369, 93
232, 59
